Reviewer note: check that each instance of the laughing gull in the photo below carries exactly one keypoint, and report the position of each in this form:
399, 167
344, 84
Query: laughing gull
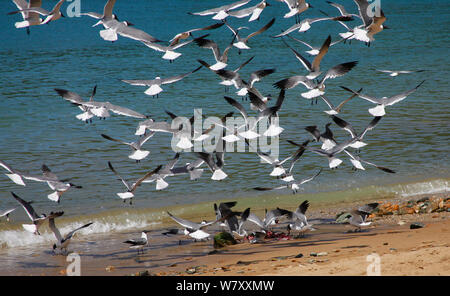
169, 51
184, 35
30, 18
106, 16
314, 67
372, 24
15, 176
99, 109
255, 11
50, 16
357, 163
296, 7
358, 217
52, 180
226, 216
293, 185
190, 168
138, 154
326, 138
155, 84
313, 50
37, 220
305, 24
221, 58
241, 232
384, 101
192, 229
164, 172
342, 10
180, 134
335, 110
221, 12
241, 43
396, 73
5, 213
348, 127
288, 176
63, 242
249, 133
138, 243
315, 88
268, 112
214, 163
129, 194
298, 221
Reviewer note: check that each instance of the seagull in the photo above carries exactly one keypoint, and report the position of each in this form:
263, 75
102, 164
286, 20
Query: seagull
357, 163
384, 101
287, 176
99, 109
314, 67
138, 154
294, 186
5, 213
138, 243
241, 43
114, 27
299, 222
214, 165
129, 194
335, 110
342, 10
50, 15
273, 217
60, 186
326, 137
155, 84
15, 176
30, 18
295, 8
358, 217
305, 24
255, 11
249, 133
241, 232
221, 58
37, 220
315, 88
226, 216
63, 242
190, 168
183, 135
192, 229
220, 13
372, 24
184, 35
357, 138
268, 112
163, 173
396, 73
313, 50
235, 79
169, 51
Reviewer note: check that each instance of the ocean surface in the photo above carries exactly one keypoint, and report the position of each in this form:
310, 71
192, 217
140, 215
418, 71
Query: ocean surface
38, 127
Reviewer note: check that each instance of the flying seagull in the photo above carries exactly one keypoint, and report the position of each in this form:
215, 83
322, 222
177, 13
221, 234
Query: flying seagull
305, 24
5, 213
221, 58
138, 154
129, 194
335, 110
50, 16
184, 35
293, 185
241, 43
221, 12
384, 101
396, 73
30, 18
155, 84
255, 11
37, 220
313, 51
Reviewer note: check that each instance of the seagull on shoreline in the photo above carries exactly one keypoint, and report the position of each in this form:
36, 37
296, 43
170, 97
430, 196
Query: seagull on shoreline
192, 229
220, 13
50, 16
358, 217
155, 84
381, 103
129, 194
138, 154
298, 221
138, 243
63, 242
37, 220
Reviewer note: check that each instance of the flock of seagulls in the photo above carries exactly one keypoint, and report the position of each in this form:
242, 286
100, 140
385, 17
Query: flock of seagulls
313, 79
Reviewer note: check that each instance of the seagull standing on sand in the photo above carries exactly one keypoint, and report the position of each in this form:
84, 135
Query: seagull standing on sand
384, 101
129, 194
138, 243
37, 220
63, 242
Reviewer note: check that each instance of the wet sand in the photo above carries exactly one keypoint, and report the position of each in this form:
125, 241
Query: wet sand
401, 250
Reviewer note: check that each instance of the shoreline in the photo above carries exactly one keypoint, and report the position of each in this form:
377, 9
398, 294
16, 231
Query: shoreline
105, 254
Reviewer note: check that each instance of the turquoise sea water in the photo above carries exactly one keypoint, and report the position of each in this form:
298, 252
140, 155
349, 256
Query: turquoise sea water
37, 126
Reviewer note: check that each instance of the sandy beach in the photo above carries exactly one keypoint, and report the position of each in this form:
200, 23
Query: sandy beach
333, 249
